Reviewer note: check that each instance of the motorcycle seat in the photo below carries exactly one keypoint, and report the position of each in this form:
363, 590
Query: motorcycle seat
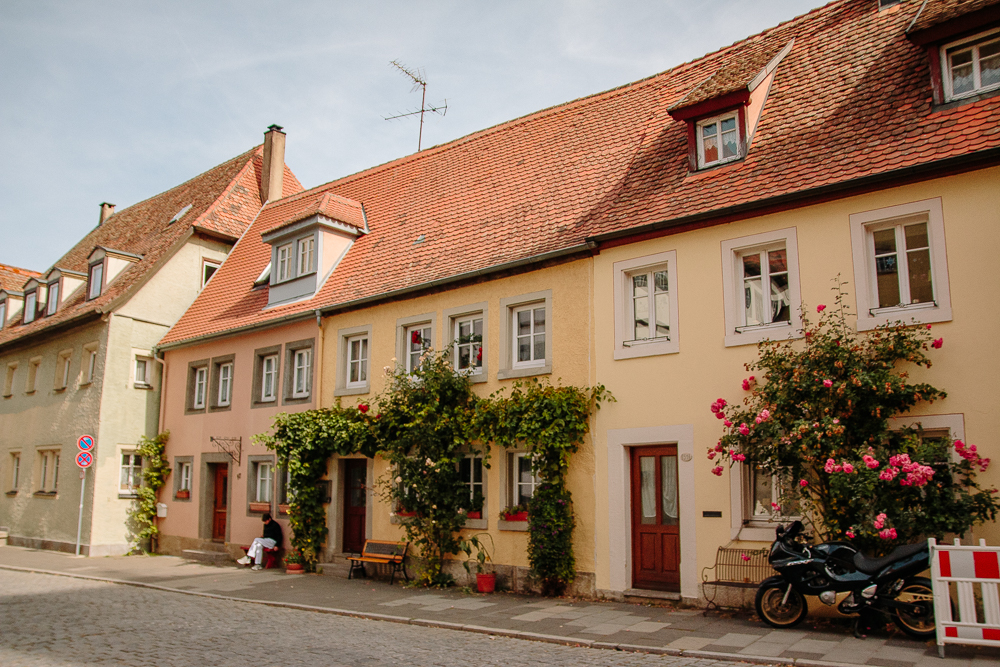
873, 565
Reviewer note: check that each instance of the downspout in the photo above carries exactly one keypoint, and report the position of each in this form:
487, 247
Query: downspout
318, 362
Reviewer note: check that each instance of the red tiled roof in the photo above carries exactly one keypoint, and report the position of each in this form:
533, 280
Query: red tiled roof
12, 278
224, 200
936, 12
329, 205
851, 99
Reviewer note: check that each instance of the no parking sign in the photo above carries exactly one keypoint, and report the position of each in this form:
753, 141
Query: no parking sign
85, 443
84, 459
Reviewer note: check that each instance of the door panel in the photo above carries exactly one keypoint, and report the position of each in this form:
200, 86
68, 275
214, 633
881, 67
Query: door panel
656, 551
220, 502
355, 501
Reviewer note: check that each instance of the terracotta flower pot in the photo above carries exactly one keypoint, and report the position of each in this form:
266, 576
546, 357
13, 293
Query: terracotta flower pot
486, 583
183, 494
294, 567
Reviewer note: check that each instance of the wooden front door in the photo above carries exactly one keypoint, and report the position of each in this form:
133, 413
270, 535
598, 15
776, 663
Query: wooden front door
656, 543
355, 500
220, 502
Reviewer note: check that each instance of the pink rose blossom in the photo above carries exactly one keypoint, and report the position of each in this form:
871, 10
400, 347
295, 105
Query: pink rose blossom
727, 423
938, 343
714, 408
870, 462
887, 534
745, 557
836, 421
721, 402
711, 454
848, 468
744, 429
758, 420
363, 408
830, 463
747, 383
719, 415
717, 471
850, 533
880, 521
718, 447
888, 474
820, 308
776, 507
803, 483
827, 383
738, 457
765, 414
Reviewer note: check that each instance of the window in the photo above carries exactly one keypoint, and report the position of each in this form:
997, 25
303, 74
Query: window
529, 336
225, 384
284, 262
199, 387
470, 471
130, 477
284, 493
419, 339
62, 369
357, 361
718, 140
646, 306
522, 480
900, 264
306, 255
96, 281
32, 374
91, 350
142, 371
971, 66
184, 476
301, 373
269, 378
468, 345
53, 299
263, 482
48, 472
3, 313
769, 497
208, 269
761, 287
30, 305
8, 383
15, 471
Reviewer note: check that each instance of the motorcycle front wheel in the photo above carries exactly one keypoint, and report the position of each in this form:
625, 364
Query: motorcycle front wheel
776, 611
916, 591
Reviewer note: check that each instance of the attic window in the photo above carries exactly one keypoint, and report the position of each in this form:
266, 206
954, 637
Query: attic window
971, 66
180, 214
96, 281
30, 306
53, 298
718, 139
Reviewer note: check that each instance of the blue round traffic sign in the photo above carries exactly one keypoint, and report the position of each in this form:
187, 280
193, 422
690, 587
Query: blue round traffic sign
85, 443
84, 459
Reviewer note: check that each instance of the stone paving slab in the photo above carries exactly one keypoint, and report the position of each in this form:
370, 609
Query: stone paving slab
735, 635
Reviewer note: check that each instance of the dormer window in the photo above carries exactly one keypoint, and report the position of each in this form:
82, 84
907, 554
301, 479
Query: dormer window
30, 306
971, 66
284, 262
53, 300
718, 140
3, 313
307, 248
96, 281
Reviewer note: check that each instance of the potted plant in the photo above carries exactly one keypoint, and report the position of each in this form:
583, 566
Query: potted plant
260, 507
476, 507
183, 494
515, 513
485, 581
294, 562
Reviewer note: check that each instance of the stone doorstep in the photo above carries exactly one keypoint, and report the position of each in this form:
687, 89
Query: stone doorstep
206, 556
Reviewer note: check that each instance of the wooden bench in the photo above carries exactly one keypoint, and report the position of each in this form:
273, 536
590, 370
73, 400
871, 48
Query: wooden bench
735, 568
271, 556
381, 552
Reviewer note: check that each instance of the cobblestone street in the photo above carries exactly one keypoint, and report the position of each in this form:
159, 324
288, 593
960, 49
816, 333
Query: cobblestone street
58, 621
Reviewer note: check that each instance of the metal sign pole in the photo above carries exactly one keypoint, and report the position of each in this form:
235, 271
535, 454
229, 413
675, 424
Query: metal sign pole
79, 521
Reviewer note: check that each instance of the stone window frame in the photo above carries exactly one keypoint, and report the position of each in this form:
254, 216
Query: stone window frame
213, 384
10, 374
121, 451
88, 369
63, 363
288, 388
507, 306
31, 382
451, 315
192, 373
49, 487
344, 337
623, 307
16, 475
404, 324
178, 461
252, 463
483, 523
259, 355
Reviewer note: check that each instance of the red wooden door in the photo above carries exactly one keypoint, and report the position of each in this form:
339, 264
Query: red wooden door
656, 543
220, 503
355, 500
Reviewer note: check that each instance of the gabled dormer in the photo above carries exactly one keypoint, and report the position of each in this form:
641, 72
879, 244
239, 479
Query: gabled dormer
962, 42
10, 301
103, 266
60, 283
34, 300
722, 111
306, 248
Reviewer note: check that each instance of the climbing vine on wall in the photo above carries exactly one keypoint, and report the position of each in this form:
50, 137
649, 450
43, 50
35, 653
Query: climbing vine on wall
155, 470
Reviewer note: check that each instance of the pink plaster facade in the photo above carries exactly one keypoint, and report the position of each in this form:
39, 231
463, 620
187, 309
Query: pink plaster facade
190, 520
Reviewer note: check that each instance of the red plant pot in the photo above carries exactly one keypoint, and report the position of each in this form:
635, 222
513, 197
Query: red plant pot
401, 513
486, 583
474, 515
183, 494
517, 516
294, 567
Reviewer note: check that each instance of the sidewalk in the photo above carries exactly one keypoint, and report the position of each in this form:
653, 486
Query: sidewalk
611, 625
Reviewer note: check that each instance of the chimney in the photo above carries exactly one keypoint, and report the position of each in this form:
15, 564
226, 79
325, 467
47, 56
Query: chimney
274, 164
107, 210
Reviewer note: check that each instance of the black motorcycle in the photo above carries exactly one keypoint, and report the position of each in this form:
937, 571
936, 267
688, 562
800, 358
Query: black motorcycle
887, 585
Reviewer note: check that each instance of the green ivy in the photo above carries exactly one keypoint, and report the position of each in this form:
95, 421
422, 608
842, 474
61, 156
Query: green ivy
154, 475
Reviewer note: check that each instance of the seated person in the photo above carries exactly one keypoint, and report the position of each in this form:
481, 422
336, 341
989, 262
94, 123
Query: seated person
270, 540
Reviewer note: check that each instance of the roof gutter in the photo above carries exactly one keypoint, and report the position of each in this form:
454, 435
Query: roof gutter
258, 326
978, 160
31, 337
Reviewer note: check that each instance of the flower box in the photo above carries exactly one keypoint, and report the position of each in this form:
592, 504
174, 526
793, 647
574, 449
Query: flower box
260, 507
282, 509
516, 516
183, 494
474, 515
405, 513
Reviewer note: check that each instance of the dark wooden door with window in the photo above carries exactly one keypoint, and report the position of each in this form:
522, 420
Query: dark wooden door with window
355, 497
220, 503
656, 542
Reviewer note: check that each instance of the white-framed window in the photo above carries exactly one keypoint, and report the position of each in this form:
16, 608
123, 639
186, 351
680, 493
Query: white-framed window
91, 350
62, 369
15, 470
263, 481
8, 383
3, 313
48, 471
200, 387
208, 269
130, 473
53, 299
357, 361
901, 265
646, 306
96, 281
470, 471
718, 139
225, 384
419, 339
529, 336
284, 482
971, 66
30, 306
760, 500
468, 344
301, 373
760, 276
184, 476
269, 378
307, 252
142, 371
284, 262
522, 481
33, 366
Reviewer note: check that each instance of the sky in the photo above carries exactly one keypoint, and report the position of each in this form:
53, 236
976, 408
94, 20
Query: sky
119, 101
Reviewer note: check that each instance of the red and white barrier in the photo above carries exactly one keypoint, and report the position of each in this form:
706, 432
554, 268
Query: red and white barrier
966, 568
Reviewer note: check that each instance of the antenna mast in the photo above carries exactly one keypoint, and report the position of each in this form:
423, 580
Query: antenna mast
417, 76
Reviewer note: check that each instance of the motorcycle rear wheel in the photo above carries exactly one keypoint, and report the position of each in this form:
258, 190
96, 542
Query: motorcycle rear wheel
918, 590
768, 603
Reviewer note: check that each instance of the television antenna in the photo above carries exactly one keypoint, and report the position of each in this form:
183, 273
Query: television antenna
419, 82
